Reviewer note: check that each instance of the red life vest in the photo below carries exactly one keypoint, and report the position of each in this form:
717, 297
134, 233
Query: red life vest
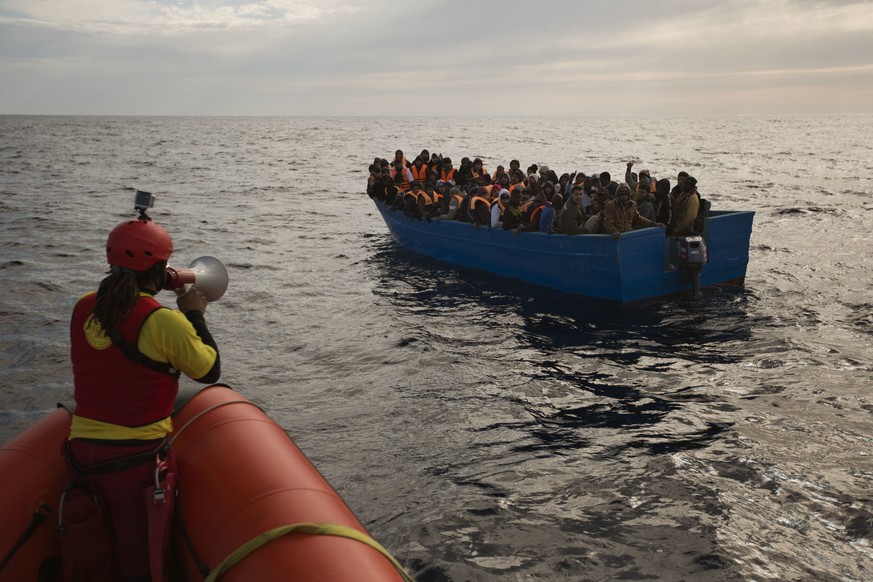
108, 385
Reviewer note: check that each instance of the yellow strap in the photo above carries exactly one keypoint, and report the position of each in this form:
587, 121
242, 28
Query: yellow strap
329, 529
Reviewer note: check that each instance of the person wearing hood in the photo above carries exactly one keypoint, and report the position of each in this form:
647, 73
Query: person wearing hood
464, 176
687, 206
478, 169
547, 174
512, 212
498, 207
621, 215
533, 184
638, 185
607, 183
664, 204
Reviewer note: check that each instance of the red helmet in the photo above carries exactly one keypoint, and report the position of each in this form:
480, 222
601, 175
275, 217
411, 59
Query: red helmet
138, 244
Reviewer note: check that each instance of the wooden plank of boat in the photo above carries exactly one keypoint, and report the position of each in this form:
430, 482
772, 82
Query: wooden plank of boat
634, 268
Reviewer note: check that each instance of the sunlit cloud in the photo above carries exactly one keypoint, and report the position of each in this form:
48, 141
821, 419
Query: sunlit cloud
348, 56
141, 16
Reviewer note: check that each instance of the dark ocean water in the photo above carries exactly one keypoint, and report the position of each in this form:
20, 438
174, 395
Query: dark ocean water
485, 429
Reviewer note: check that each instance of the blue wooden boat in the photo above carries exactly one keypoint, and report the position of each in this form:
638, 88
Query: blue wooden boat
641, 265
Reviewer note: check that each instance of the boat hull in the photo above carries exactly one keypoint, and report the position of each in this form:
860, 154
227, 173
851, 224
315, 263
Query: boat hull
632, 269
240, 475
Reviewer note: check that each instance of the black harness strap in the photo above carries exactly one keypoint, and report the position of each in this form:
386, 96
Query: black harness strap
39, 516
132, 353
119, 463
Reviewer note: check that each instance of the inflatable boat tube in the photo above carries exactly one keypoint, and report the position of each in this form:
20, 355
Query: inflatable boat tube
250, 505
240, 477
33, 475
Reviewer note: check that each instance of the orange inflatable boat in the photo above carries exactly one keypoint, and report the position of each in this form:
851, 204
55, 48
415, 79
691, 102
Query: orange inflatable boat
252, 505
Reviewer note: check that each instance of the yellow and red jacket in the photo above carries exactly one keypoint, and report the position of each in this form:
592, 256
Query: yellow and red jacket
125, 385
109, 386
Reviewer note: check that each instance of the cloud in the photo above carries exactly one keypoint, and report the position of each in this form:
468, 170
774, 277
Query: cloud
147, 17
347, 57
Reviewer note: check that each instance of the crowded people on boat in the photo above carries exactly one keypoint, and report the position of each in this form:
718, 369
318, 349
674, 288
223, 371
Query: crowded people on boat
127, 353
572, 219
548, 221
687, 205
589, 203
620, 214
402, 175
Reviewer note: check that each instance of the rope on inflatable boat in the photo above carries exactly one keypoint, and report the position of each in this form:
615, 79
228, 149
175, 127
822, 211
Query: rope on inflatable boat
306, 528
176, 433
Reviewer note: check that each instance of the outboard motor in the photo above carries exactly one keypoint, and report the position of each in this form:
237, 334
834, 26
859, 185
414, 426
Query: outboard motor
693, 256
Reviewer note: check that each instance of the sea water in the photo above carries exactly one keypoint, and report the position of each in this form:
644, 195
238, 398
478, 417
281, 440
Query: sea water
482, 428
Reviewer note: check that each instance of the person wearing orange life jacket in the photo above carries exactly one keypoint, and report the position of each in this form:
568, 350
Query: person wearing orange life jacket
498, 207
464, 175
515, 179
548, 219
441, 195
425, 206
486, 188
127, 352
531, 217
479, 208
500, 171
399, 157
402, 176
447, 173
431, 191
418, 170
478, 169
451, 203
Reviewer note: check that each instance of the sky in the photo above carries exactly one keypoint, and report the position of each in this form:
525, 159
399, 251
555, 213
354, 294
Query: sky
429, 57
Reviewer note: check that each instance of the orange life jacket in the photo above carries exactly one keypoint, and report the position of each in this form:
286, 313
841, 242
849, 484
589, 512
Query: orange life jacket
489, 191
447, 176
420, 175
422, 195
535, 215
404, 185
476, 200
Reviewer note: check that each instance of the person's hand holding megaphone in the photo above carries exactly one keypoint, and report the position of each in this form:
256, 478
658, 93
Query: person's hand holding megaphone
193, 300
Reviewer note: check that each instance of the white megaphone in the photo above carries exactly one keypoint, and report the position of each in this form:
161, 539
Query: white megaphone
206, 274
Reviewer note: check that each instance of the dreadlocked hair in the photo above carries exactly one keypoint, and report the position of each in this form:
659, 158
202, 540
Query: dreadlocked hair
118, 293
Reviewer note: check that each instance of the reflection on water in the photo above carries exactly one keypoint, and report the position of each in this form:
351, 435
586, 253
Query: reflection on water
482, 428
